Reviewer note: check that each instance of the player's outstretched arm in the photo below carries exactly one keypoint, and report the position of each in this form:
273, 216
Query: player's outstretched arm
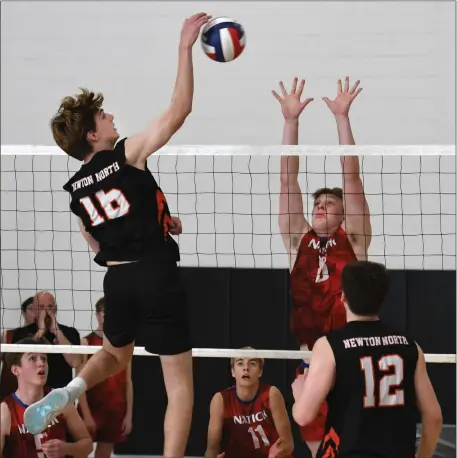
139, 147
216, 422
357, 213
429, 408
284, 446
311, 388
5, 427
292, 222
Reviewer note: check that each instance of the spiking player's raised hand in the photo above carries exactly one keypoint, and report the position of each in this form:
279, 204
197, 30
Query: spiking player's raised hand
191, 28
291, 105
341, 104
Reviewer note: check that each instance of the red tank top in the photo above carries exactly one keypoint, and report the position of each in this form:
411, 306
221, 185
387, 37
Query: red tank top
8, 381
20, 443
112, 391
315, 285
248, 430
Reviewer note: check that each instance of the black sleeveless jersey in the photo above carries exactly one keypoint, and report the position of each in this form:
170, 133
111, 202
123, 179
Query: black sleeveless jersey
123, 208
372, 406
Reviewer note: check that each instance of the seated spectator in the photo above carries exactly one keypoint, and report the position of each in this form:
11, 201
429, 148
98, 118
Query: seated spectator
46, 326
8, 382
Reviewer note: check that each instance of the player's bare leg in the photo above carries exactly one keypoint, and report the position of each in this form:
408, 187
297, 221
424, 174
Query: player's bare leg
178, 378
103, 450
108, 361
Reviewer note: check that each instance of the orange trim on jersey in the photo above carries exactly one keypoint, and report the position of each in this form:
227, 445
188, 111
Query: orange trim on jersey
330, 444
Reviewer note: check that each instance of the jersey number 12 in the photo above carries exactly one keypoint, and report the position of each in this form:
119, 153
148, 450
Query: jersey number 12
389, 395
113, 203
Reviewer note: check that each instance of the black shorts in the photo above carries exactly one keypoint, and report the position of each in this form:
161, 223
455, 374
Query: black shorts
151, 296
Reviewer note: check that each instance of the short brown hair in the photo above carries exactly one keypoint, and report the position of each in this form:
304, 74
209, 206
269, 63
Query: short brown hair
261, 361
100, 305
14, 359
337, 192
73, 120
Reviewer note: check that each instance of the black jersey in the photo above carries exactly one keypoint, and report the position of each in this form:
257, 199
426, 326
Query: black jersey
123, 208
372, 405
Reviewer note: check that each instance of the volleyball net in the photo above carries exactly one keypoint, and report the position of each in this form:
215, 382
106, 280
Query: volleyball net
228, 200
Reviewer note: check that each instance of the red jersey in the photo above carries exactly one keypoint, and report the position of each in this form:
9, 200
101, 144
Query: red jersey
315, 285
20, 443
249, 430
111, 393
8, 381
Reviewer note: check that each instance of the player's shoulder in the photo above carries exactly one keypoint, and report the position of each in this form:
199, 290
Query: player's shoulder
114, 158
217, 404
5, 414
274, 392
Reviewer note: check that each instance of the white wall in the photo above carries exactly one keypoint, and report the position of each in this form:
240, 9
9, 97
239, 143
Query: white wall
404, 53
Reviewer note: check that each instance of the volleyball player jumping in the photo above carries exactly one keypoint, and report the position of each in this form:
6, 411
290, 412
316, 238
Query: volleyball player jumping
123, 215
340, 232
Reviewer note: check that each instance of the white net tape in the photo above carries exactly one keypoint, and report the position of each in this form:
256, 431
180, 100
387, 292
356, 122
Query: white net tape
196, 352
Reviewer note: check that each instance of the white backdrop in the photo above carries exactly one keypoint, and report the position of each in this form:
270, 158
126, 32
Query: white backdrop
403, 53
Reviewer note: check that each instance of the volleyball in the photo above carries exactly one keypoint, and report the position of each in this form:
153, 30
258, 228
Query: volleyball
223, 39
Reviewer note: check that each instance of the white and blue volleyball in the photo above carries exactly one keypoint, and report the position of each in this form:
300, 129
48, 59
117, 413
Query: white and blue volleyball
223, 39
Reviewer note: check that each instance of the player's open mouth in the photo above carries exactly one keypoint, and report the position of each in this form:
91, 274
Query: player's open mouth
43, 373
246, 377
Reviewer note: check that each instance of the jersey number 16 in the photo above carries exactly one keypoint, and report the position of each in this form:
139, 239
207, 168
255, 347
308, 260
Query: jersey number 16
113, 203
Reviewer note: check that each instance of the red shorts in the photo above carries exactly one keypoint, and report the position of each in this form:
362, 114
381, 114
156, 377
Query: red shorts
108, 425
314, 431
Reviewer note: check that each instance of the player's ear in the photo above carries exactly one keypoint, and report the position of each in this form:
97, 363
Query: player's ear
343, 298
15, 369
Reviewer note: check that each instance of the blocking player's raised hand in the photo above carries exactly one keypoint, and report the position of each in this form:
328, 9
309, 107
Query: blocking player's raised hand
191, 28
345, 96
290, 102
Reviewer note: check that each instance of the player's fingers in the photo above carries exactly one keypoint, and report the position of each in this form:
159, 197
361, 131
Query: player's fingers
340, 87
203, 20
346, 84
357, 92
305, 102
197, 16
294, 85
283, 89
300, 88
277, 96
326, 100
354, 87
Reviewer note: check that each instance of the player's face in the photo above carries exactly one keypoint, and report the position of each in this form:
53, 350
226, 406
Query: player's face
100, 318
31, 313
45, 305
328, 213
33, 369
105, 128
246, 371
